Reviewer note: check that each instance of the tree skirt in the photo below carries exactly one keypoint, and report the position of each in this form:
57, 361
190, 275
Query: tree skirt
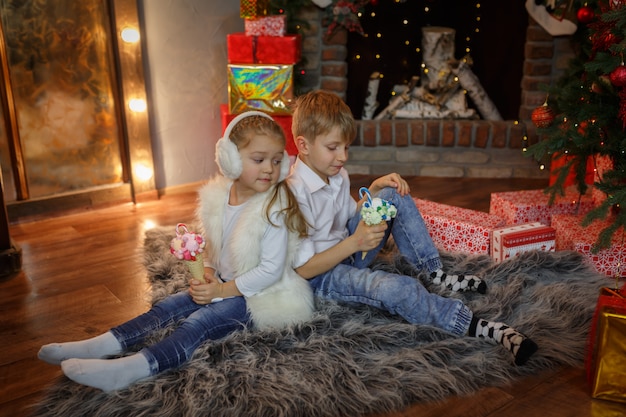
355, 360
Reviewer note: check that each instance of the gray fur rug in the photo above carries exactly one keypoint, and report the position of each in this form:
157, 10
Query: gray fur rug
353, 360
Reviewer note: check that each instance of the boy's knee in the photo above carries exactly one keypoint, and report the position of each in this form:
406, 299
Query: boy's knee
387, 193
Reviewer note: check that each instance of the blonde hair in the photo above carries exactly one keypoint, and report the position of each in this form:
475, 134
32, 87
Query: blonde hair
241, 135
318, 112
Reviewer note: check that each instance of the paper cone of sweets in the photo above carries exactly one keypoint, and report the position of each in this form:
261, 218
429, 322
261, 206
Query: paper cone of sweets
188, 247
375, 211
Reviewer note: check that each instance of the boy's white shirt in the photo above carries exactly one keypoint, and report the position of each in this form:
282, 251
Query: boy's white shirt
326, 207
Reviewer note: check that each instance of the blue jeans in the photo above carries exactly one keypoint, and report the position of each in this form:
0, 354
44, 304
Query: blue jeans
409, 233
201, 322
353, 282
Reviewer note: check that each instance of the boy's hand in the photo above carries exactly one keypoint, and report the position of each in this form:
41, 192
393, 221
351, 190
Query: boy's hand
390, 180
368, 237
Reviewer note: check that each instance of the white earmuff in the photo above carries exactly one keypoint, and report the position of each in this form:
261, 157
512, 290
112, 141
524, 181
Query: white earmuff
226, 152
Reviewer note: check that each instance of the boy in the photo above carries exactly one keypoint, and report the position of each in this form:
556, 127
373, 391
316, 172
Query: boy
330, 257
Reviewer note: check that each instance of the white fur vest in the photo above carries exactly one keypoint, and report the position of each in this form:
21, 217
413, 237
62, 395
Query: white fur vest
287, 301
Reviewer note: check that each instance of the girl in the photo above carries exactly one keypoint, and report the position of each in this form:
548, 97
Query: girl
252, 225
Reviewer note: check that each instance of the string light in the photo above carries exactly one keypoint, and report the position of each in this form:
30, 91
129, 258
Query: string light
391, 44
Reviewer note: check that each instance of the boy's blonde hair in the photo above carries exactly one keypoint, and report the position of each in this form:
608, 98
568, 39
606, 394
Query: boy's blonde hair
241, 135
318, 112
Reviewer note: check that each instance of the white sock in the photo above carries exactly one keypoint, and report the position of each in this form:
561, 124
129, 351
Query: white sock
107, 374
95, 348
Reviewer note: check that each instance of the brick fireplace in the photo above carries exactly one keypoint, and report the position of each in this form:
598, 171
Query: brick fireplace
437, 147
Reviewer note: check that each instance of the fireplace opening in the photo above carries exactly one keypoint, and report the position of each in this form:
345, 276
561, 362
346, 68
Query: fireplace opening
492, 33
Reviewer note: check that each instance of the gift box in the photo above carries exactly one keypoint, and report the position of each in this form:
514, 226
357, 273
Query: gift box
249, 9
267, 88
571, 235
605, 362
243, 49
283, 121
458, 229
603, 164
528, 206
558, 160
266, 26
507, 242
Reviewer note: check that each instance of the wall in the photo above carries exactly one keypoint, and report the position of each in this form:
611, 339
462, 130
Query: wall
186, 80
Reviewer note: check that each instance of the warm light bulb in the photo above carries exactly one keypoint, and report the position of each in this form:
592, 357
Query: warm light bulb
137, 105
143, 172
130, 35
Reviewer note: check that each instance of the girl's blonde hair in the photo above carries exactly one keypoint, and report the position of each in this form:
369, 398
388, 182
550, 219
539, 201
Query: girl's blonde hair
241, 135
318, 112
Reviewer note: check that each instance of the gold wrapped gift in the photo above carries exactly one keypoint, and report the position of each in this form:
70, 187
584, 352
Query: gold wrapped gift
249, 9
267, 88
609, 380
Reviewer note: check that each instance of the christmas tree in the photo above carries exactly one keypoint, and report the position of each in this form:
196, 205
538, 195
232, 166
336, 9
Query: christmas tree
584, 117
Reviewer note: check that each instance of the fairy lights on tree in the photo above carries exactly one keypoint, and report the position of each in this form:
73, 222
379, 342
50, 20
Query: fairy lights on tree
587, 107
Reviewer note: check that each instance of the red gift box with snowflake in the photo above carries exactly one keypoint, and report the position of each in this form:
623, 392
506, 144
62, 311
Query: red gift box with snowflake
508, 242
457, 229
527, 206
274, 25
571, 235
602, 164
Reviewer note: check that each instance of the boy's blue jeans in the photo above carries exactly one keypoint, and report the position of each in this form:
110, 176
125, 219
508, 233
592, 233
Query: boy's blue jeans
353, 281
199, 323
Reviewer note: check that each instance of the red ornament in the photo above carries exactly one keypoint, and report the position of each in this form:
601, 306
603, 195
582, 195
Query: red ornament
618, 76
616, 4
543, 116
585, 15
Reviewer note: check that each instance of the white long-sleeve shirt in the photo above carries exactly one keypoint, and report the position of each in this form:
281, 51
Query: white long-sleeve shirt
273, 254
326, 207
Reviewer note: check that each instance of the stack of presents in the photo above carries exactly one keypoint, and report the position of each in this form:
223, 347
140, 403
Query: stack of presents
261, 64
521, 221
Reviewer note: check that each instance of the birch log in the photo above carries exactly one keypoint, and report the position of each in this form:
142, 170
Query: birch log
470, 82
370, 99
437, 52
400, 99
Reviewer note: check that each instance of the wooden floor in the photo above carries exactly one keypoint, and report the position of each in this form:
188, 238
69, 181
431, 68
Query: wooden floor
82, 274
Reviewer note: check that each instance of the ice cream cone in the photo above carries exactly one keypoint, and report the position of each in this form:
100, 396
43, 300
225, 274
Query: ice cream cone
196, 268
375, 211
188, 246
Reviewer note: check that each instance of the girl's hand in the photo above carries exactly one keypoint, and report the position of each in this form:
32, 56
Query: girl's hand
368, 237
202, 293
390, 180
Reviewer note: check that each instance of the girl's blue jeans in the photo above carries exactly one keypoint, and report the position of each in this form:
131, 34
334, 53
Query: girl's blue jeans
353, 281
199, 323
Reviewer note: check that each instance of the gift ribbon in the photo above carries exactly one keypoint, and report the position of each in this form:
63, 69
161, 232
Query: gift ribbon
254, 44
